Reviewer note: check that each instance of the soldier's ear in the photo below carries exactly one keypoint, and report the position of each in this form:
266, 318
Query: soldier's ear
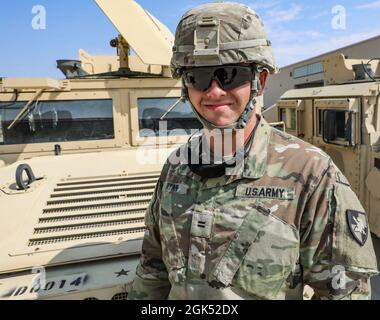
263, 80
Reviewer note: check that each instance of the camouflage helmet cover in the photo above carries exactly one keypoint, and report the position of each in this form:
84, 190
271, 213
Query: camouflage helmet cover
221, 33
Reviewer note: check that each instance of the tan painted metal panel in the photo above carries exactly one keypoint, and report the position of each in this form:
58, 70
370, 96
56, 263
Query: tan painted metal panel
149, 38
344, 104
22, 248
68, 232
72, 222
349, 90
102, 282
372, 183
90, 212
78, 251
34, 83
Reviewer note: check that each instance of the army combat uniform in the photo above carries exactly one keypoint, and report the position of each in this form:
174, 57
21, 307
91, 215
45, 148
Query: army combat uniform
287, 220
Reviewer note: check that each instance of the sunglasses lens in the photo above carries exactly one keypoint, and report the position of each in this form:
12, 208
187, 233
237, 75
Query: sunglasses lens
228, 77
197, 78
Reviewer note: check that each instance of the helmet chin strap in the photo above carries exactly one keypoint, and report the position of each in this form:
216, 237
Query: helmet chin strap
245, 116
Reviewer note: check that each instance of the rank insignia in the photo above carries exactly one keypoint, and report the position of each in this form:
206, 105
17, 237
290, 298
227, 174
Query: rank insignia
357, 223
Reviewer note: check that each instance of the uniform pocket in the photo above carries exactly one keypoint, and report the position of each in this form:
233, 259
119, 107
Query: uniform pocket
269, 260
169, 240
175, 217
176, 198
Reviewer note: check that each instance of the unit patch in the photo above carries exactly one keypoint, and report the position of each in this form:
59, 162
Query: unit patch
357, 223
176, 188
249, 191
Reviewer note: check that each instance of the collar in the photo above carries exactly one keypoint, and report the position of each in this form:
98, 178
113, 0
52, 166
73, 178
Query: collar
255, 163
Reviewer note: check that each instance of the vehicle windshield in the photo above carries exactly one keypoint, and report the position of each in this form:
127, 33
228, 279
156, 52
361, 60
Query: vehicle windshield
150, 110
57, 121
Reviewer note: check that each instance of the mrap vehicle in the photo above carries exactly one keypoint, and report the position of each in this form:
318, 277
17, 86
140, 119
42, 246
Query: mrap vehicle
79, 160
343, 119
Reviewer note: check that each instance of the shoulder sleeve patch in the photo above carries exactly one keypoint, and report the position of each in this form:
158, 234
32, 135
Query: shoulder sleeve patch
358, 225
352, 243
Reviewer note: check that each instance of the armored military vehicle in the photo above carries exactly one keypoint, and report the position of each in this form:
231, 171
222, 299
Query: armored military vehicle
343, 119
80, 158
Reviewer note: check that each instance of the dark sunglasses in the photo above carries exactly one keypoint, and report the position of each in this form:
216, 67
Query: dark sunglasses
228, 77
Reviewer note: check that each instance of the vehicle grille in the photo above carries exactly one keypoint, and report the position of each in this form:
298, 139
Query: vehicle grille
83, 208
120, 296
117, 296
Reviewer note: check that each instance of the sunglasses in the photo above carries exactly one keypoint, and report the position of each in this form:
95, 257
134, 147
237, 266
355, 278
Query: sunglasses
228, 77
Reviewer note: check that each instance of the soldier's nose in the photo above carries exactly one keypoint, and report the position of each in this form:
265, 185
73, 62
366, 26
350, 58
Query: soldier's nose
215, 91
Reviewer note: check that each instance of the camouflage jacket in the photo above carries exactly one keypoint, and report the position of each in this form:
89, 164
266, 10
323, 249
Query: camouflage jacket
289, 219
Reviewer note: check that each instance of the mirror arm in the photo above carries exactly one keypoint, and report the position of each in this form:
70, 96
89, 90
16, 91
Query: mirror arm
23, 110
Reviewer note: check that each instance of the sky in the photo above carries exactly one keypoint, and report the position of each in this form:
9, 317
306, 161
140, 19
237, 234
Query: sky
298, 29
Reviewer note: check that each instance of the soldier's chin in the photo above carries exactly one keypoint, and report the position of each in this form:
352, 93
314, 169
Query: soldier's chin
222, 123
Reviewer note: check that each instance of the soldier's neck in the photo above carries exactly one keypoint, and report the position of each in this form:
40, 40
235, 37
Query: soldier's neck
231, 140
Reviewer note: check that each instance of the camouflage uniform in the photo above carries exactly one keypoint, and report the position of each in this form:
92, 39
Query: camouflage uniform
285, 221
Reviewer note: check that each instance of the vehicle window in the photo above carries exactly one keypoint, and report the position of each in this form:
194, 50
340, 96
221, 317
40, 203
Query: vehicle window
150, 110
57, 121
289, 117
310, 69
377, 163
342, 124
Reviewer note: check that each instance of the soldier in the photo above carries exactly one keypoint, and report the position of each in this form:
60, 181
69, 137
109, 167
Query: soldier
287, 219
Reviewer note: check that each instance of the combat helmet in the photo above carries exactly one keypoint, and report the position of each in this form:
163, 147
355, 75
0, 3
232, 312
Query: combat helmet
222, 34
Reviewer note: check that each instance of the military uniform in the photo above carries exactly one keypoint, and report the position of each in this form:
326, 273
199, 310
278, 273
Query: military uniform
288, 219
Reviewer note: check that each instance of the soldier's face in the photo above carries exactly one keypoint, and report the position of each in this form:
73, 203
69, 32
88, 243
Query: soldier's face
222, 107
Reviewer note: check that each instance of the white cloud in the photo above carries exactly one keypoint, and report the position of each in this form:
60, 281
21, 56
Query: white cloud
284, 15
290, 53
261, 5
371, 5
320, 14
186, 8
287, 36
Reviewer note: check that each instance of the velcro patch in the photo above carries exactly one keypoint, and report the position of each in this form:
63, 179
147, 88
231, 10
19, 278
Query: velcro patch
201, 224
249, 191
357, 223
175, 188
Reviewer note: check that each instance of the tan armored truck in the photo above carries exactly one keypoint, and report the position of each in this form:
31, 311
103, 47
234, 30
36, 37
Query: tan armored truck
343, 119
80, 158
103, 101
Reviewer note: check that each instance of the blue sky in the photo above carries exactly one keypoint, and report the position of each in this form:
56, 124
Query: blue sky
299, 29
